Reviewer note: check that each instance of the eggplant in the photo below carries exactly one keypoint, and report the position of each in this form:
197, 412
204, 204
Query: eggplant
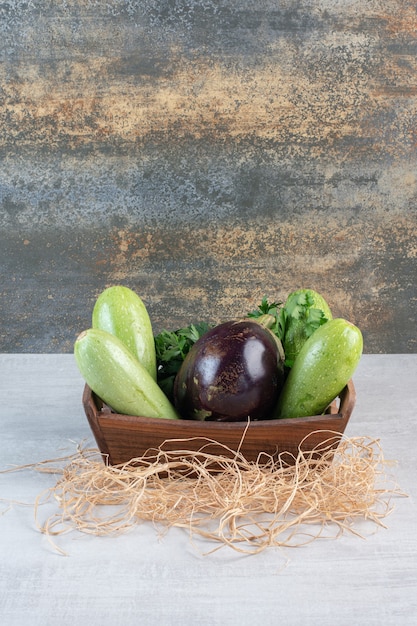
235, 371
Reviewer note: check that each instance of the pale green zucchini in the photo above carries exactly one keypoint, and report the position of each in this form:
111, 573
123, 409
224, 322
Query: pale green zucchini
121, 312
324, 365
118, 378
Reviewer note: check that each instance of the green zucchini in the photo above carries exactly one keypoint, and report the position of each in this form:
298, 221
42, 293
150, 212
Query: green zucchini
118, 378
324, 365
121, 312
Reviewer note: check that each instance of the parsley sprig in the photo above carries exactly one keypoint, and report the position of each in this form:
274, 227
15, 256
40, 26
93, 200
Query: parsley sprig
277, 314
302, 308
171, 348
298, 311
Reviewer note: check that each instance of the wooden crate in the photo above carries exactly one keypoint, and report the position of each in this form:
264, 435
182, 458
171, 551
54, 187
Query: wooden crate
123, 437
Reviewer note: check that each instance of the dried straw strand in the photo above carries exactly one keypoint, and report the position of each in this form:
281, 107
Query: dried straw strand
247, 506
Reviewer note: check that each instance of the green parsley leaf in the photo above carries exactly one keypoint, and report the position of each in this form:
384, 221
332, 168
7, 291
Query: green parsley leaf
171, 348
277, 313
265, 308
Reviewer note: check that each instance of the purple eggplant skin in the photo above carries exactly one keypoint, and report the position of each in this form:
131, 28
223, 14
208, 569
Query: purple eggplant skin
232, 373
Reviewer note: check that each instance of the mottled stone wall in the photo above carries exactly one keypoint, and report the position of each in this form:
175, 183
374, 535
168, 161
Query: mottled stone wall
206, 153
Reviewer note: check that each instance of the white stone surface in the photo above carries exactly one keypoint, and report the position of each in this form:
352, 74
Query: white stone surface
143, 579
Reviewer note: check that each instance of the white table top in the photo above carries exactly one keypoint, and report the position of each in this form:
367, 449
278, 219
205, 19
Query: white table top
143, 579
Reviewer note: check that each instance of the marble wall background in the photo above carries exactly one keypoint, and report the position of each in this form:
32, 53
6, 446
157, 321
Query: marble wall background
207, 153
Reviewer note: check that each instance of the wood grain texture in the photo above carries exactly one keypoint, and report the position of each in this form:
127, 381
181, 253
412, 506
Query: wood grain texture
206, 154
121, 438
